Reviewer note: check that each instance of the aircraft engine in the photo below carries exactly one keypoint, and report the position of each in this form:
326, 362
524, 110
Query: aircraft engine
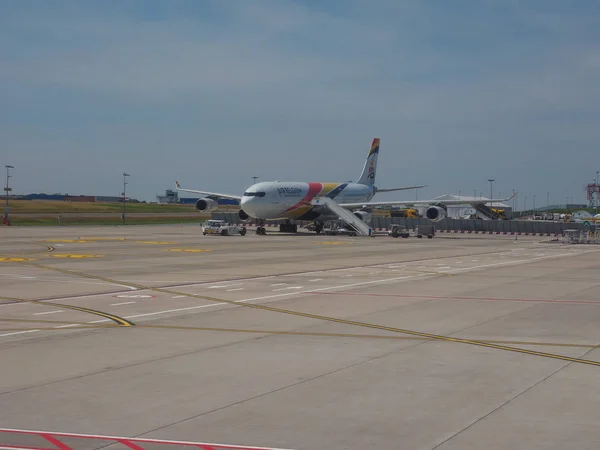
435, 213
206, 205
243, 215
363, 215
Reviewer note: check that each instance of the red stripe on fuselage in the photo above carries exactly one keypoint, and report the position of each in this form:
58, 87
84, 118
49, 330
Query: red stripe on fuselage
313, 190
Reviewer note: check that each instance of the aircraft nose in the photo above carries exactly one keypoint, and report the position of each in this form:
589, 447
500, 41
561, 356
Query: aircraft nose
247, 204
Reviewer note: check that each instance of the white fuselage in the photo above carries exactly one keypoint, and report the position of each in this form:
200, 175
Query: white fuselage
291, 200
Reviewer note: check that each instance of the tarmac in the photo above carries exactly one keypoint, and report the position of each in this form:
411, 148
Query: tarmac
298, 341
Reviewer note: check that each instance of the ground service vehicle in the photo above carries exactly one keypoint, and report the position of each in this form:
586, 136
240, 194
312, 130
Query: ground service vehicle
398, 231
501, 213
409, 213
426, 230
223, 228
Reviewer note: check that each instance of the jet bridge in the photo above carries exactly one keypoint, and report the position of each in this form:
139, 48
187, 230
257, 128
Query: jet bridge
358, 225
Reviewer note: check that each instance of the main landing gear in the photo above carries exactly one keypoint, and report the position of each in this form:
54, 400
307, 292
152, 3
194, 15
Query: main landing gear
319, 226
288, 227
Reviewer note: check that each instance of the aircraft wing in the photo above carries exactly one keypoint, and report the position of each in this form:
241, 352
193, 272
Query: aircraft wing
428, 202
207, 193
400, 188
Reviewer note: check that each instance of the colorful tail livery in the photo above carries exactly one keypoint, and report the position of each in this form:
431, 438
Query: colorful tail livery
368, 174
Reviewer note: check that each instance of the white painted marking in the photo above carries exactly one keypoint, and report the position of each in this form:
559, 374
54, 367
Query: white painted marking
18, 332
278, 284
236, 289
55, 280
348, 286
484, 266
267, 297
187, 285
316, 279
287, 288
474, 260
222, 286
179, 296
174, 310
363, 283
346, 276
47, 312
124, 303
134, 296
202, 283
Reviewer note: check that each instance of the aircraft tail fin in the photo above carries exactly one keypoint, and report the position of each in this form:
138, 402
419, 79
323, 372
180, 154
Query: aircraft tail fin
368, 174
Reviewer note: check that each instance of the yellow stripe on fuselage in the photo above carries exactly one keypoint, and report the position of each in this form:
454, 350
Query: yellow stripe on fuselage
297, 212
328, 187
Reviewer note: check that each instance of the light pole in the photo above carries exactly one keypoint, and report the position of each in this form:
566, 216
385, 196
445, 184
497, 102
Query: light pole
125, 175
491, 180
597, 191
7, 190
254, 179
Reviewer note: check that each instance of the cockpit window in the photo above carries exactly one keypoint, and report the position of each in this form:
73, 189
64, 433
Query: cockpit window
254, 194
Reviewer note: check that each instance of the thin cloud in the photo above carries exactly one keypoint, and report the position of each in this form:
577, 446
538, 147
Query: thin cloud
451, 89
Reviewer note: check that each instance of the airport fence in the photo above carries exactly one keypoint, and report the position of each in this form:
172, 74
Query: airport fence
382, 223
536, 227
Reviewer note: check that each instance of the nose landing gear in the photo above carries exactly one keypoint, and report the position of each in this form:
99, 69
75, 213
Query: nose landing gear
260, 230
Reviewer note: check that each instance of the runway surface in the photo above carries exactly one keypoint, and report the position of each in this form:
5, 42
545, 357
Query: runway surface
298, 342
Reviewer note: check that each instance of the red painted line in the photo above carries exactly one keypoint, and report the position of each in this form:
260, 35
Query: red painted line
436, 297
56, 442
129, 442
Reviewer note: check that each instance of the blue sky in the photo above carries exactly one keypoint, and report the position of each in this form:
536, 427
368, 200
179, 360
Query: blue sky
212, 93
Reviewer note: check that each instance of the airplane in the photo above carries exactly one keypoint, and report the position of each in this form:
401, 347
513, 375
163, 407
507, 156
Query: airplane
298, 201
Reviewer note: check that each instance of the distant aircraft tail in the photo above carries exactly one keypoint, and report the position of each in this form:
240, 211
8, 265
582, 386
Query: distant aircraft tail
368, 174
